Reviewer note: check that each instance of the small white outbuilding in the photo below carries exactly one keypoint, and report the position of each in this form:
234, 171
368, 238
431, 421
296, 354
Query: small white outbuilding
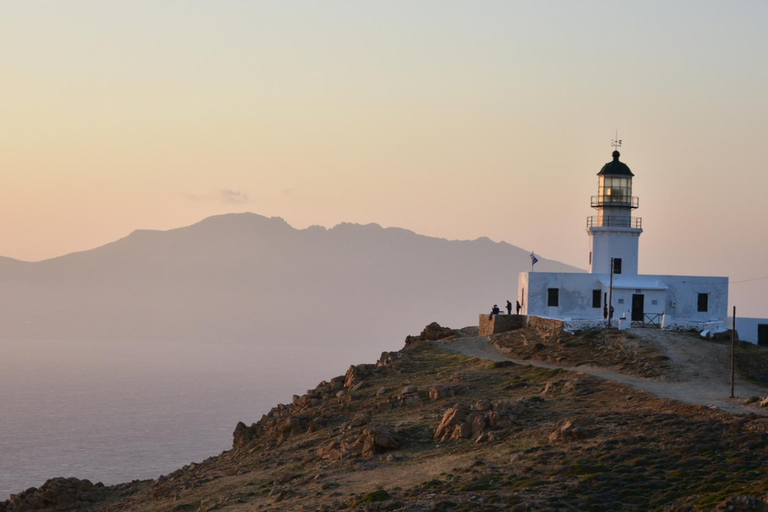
613, 284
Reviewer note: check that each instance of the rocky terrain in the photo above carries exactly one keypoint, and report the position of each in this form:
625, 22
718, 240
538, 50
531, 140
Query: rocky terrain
430, 429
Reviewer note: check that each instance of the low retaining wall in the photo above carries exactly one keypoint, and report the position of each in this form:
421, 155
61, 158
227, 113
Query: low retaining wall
711, 327
547, 328
500, 323
586, 325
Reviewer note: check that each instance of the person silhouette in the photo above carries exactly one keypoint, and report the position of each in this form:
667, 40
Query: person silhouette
494, 311
509, 308
518, 307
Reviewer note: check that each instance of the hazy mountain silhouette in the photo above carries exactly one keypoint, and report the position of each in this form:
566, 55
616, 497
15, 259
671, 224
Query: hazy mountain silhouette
245, 277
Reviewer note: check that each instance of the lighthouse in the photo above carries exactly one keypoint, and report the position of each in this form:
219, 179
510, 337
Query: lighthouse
613, 232
583, 300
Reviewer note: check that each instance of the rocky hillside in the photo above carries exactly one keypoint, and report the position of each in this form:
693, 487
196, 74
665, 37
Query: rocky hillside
426, 429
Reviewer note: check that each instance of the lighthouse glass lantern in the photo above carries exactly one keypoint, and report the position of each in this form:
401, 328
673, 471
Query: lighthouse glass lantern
614, 190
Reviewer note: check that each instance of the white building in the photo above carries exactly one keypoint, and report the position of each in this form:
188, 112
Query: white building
583, 299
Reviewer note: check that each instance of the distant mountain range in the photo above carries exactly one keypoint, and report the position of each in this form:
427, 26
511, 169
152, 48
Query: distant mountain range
245, 277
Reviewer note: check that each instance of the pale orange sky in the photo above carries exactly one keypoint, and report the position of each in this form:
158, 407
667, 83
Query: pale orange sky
453, 119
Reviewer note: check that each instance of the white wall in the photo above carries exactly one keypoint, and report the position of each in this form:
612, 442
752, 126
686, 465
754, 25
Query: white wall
607, 243
747, 327
682, 297
575, 294
679, 301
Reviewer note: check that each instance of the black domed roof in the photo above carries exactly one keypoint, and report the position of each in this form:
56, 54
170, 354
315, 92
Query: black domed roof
615, 168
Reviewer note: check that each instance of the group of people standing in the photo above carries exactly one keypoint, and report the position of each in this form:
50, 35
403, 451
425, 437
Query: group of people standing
495, 310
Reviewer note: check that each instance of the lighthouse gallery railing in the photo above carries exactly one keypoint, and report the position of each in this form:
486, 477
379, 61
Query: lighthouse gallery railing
609, 221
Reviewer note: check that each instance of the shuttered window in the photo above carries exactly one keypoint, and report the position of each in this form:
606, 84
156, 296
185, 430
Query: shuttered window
596, 298
553, 297
703, 302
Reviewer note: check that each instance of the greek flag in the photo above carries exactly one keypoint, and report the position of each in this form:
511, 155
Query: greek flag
534, 259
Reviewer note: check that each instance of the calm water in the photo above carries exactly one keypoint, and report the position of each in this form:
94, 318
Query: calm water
114, 412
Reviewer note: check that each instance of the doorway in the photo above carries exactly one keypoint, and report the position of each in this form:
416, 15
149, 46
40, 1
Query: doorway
762, 334
638, 307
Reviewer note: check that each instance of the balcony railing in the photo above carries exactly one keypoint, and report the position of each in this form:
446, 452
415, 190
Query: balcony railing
626, 201
608, 221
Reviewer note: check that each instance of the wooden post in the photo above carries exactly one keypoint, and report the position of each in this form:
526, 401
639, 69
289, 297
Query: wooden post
733, 351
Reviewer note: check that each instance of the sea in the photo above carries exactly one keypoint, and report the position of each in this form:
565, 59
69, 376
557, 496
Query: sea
116, 411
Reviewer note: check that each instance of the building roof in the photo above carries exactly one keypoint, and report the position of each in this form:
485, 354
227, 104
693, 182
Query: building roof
615, 168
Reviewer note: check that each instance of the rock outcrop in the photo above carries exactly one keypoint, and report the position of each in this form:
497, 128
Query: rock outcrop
55, 494
465, 421
432, 332
364, 442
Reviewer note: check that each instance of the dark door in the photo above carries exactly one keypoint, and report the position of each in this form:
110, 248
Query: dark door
762, 334
638, 303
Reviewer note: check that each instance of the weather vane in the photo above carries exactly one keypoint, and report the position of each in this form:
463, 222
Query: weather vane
616, 143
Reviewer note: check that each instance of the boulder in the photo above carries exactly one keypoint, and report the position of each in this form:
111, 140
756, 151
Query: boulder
370, 440
377, 439
452, 418
356, 374
337, 383
483, 406
569, 430
439, 391
291, 425
464, 421
388, 360
431, 332
243, 435
55, 494
360, 419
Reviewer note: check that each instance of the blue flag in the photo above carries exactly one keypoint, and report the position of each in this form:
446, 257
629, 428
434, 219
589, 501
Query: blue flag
534, 259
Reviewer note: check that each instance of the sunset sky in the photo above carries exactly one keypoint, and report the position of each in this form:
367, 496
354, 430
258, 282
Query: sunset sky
452, 119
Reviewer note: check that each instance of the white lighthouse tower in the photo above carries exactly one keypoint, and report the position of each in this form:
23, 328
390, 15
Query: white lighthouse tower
613, 232
584, 300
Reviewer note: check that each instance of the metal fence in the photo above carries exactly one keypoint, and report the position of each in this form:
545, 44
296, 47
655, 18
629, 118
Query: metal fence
649, 320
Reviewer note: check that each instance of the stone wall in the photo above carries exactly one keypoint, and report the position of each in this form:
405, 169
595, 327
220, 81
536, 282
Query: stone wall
550, 325
501, 323
550, 329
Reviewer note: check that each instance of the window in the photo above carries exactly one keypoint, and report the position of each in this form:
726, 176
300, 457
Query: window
654, 302
703, 302
617, 265
596, 298
621, 301
553, 297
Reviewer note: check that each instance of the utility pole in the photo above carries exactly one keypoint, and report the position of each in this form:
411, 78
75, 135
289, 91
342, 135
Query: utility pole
733, 351
610, 297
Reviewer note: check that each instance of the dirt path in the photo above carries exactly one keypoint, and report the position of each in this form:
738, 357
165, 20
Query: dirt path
700, 370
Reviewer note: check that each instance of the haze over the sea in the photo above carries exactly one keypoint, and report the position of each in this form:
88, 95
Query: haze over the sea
135, 358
